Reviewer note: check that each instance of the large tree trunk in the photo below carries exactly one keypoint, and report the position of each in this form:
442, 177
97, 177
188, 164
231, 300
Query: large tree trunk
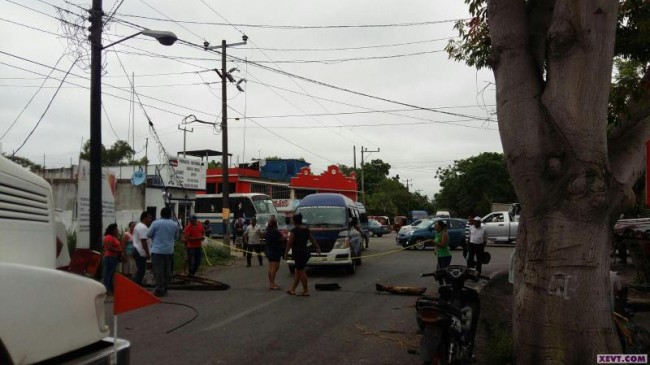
553, 131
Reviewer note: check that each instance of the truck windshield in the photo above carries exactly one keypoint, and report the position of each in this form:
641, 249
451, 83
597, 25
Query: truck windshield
323, 215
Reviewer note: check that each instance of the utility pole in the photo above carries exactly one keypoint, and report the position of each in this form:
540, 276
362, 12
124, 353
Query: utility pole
225, 76
95, 173
185, 130
363, 183
407, 184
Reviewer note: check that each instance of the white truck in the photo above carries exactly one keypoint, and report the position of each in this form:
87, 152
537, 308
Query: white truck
501, 226
46, 315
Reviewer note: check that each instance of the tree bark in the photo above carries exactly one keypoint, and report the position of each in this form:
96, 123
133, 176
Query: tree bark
554, 137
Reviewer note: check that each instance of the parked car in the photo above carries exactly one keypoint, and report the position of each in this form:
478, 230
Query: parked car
383, 220
377, 229
405, 229
423, 234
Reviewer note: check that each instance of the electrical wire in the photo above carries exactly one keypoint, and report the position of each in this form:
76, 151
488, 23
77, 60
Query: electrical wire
110, 123
295, 27
33, 96
44, 112
349, 48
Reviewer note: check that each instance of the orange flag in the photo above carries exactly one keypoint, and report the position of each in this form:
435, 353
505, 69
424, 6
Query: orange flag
130, 296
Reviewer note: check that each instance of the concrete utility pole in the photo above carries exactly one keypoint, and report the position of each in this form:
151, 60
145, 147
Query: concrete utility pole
95, 173
363, 183
185, 130
225, 76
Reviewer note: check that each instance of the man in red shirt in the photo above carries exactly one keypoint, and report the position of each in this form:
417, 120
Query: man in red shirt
193, 237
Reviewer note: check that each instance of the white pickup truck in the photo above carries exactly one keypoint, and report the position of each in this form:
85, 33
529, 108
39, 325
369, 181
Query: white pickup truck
501, 226
46, 315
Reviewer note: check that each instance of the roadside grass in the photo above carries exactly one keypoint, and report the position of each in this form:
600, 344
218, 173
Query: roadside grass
216, 256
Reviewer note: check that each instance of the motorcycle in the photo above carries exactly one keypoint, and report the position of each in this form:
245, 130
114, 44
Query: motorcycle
448, 322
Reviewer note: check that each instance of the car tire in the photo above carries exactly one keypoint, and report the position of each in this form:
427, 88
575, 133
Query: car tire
419, 244
379, 235
292, 269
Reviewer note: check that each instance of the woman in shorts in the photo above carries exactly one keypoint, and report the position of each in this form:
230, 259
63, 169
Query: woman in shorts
274, 250
298, 239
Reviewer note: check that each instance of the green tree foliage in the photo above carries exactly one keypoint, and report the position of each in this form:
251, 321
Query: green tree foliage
24, 162
119, 154
386, 195
470, 186
632, 61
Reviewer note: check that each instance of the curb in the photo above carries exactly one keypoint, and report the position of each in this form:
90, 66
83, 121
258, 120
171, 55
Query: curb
484, 283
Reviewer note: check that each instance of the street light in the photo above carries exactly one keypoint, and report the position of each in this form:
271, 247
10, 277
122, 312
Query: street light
95, 175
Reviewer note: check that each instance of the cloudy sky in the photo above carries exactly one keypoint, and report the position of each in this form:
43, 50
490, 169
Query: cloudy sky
321, 78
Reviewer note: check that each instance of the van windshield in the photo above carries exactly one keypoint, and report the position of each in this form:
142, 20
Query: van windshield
323, 215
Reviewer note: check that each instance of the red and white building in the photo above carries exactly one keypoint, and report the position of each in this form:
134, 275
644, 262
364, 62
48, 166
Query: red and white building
287, 191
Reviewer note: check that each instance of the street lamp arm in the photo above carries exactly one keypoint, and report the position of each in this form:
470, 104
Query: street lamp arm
163, 37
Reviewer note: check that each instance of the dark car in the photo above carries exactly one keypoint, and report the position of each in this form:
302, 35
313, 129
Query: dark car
423, 234
377, 229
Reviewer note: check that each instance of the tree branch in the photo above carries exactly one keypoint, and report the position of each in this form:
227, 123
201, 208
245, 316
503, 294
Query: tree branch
580, 55
627, 141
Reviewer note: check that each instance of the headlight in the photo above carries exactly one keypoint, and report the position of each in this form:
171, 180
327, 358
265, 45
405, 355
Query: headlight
342, 243
409, 233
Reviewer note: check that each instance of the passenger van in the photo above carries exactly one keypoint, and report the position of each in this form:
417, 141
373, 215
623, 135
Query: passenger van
331, 219
363, 222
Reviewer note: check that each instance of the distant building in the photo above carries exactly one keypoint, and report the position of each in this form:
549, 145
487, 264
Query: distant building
285, 181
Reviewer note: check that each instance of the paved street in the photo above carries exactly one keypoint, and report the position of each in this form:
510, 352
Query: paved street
251, 324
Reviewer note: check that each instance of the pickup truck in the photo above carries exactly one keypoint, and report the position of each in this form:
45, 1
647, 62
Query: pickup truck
501, 226
46, 315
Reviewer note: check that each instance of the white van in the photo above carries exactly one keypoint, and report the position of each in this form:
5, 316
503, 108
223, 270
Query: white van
442, 214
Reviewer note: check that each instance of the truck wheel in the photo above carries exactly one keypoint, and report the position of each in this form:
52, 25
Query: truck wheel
292, 269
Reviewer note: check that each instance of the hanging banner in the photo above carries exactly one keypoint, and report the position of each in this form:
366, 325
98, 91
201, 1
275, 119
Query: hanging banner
109, 184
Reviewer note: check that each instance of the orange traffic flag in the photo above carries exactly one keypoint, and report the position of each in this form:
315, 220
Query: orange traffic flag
130, 296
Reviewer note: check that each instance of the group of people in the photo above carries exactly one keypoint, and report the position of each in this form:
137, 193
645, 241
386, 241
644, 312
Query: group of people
153, 241
278, 246
474, 250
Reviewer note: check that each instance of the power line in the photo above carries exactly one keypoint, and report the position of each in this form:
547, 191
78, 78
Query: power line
45, 111
33, 96
295, 27
349, 48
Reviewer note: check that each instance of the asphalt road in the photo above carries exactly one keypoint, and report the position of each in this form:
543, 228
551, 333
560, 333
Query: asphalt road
250, 324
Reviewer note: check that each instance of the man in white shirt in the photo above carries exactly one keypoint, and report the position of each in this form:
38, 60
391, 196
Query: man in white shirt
141, 243
477, 240
253, 242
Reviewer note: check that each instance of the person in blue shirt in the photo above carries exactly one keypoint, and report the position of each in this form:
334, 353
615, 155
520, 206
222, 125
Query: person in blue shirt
163, 233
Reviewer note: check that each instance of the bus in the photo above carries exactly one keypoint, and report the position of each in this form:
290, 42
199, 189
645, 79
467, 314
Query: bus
209, 207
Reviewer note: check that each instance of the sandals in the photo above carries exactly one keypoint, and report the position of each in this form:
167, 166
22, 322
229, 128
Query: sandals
291, 292
302, 295
275, 288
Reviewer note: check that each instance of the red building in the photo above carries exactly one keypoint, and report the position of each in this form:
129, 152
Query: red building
285, 194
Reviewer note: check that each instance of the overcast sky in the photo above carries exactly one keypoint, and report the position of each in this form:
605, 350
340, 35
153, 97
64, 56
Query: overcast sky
398, 66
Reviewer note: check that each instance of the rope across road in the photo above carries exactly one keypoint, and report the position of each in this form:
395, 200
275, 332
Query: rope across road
237, 249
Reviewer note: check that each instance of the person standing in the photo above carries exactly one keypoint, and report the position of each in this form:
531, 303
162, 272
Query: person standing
274, 250
141, 245
239, 235
163, 233
298, 239
477, 240
441, 239
112, 254
253, 242
193, 238
207, 228
128, 264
